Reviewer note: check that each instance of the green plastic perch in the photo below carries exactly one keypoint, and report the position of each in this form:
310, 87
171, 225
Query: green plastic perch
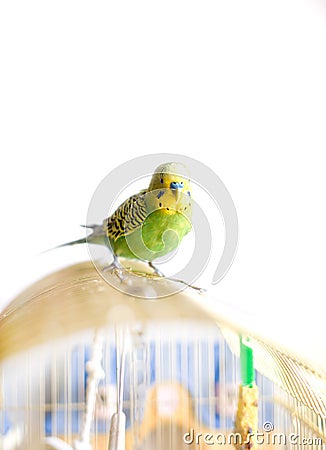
246, 362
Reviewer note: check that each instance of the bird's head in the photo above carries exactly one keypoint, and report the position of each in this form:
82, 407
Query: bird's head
171, 184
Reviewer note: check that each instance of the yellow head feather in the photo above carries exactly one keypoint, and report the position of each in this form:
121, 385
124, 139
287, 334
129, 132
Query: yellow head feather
171, 189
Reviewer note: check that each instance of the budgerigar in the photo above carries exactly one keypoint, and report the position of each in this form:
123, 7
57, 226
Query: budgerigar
150, 224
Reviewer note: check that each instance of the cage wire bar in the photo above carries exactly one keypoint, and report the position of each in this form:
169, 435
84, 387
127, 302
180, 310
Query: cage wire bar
173, 385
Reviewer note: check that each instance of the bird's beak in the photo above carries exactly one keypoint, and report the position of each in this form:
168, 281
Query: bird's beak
177, 193
176, 189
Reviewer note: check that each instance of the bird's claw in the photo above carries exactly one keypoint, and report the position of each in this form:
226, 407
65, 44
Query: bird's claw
119, 274
115, 268
156, 270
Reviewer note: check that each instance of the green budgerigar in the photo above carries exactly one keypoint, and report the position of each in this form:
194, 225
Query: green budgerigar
150, 224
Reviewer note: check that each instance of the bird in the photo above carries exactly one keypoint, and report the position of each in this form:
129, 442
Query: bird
151, 223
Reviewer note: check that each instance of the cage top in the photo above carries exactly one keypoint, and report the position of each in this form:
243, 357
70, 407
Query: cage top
77, 298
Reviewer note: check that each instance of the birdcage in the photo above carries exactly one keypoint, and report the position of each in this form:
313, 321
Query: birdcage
86, 366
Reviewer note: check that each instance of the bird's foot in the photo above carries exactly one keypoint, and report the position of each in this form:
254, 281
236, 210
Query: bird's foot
155, 269
116, 268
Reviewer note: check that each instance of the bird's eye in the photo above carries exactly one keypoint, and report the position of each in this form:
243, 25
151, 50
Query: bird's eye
181, 183
162, 180
160, 205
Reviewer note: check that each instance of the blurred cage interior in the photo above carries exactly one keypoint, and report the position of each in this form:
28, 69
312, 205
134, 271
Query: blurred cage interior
178, 358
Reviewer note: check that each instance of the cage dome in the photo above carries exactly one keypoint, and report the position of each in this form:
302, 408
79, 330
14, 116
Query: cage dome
75, 353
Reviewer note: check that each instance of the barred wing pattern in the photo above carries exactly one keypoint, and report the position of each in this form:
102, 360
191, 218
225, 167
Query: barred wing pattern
128, 217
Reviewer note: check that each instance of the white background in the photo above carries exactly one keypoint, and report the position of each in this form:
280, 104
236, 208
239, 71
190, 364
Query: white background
85, 86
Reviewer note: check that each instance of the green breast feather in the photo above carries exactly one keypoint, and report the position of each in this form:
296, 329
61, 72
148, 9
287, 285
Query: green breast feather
160, 234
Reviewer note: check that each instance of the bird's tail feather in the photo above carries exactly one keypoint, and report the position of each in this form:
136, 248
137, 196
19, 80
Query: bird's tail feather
78, 241
96, 237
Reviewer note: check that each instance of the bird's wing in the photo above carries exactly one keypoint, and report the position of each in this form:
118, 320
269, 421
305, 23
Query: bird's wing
128, 217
